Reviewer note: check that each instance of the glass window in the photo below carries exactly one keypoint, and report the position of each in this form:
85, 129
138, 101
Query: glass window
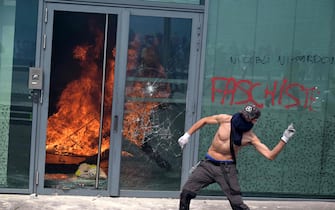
279, 55
18, 21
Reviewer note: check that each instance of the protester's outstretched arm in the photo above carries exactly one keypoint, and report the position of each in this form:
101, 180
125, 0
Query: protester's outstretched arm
272, 154
214, 119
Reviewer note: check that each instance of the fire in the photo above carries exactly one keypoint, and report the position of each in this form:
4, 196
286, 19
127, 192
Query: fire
74, 128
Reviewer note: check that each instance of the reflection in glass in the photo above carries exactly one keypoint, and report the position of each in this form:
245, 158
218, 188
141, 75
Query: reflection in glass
156, 83
80, 95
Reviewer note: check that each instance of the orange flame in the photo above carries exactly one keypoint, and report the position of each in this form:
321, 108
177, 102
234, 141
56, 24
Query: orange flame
74, 128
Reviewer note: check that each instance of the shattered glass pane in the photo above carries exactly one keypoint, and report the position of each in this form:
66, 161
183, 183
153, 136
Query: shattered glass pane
155, 99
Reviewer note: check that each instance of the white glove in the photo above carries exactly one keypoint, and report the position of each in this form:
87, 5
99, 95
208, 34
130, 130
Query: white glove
288, 133
184, 140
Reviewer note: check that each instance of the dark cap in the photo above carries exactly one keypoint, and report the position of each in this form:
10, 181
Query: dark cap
251, 112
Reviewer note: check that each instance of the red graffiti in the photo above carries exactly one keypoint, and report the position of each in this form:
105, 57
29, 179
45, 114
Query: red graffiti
297, 95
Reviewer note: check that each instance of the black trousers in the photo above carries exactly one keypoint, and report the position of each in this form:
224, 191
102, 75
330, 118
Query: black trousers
206, 173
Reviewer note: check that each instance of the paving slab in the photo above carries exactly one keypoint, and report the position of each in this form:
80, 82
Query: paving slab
65, 202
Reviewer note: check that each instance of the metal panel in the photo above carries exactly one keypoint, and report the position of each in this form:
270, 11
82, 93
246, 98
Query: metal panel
136, 4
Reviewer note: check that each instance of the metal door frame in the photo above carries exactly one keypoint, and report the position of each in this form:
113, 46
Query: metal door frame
47, 27
44, 50
192, 99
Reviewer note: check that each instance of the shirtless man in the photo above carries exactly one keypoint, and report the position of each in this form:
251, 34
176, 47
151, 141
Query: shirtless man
219, 164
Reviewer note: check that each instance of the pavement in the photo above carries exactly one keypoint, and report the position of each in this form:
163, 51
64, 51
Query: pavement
66, 202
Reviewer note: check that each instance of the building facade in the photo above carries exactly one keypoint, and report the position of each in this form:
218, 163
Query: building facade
95, 93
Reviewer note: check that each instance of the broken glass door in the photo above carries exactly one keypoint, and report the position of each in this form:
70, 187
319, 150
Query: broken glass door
155, 102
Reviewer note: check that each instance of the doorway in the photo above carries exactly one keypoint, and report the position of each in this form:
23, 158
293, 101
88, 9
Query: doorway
80, 100
114, 98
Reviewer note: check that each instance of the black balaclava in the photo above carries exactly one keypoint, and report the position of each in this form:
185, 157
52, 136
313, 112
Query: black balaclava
238, 126
241, 122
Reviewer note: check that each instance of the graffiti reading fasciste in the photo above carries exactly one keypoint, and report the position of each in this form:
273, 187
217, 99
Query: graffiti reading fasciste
297, 94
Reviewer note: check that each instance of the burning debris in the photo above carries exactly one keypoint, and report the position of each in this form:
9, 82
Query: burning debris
74, 129
89, 171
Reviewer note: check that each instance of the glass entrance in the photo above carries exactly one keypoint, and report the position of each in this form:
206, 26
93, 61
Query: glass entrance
115, 107
80, 100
